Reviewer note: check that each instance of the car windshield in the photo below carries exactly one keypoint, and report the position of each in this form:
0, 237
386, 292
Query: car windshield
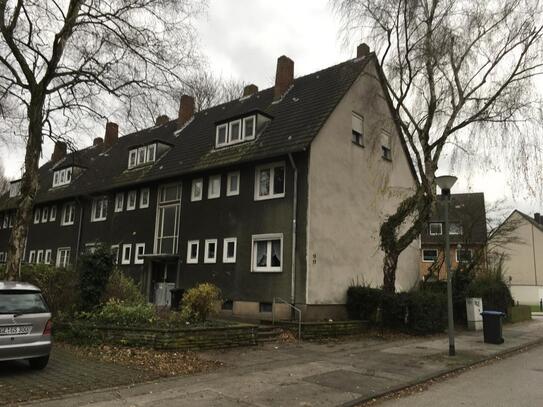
21, 302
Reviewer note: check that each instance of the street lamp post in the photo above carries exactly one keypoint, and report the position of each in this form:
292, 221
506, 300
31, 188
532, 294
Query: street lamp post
445, 183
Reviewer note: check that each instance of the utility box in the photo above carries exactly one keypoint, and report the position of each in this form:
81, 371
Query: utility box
474, 308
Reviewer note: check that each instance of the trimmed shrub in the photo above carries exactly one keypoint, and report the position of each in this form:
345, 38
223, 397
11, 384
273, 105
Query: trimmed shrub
427, 312
363, 303
122, 288
200, 302
115, 312
94, 271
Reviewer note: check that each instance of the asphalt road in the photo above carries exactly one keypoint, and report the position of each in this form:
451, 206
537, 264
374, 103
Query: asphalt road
514, 381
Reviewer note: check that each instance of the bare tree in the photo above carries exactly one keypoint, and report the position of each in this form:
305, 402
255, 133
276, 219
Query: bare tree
450, 67
64, 61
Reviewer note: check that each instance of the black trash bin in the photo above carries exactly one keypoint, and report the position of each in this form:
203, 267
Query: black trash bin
177, 296
492, 326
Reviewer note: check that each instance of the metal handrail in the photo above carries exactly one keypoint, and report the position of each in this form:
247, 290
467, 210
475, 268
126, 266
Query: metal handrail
296, 309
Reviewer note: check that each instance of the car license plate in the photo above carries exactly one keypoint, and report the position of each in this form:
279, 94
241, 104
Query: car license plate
15, 330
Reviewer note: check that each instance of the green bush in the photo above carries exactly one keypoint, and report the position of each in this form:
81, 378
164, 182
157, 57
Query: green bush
122, 288
490, 285
199, 303
115, 312
94, 271
427, 312
363, 302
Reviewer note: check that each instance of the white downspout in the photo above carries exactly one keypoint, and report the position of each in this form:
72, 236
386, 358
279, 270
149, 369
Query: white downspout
294, 214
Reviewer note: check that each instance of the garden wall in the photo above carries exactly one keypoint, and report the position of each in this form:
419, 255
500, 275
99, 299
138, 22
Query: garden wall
318, 330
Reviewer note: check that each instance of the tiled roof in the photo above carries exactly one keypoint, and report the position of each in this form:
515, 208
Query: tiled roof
296, 120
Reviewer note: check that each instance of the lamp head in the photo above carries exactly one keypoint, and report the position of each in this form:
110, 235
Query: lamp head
445, 183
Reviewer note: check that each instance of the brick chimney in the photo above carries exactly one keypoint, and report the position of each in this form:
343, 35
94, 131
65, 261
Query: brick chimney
362, 50
162, 119
250, 90
538, 218
186, 110
98, 141
112, 134
59, 152
284, 76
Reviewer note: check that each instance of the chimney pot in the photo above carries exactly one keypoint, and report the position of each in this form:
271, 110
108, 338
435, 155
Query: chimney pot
98, 141
112, 134
162, 119
186, 110
59, 152
362, 50
250, 90
537, 218
284, 76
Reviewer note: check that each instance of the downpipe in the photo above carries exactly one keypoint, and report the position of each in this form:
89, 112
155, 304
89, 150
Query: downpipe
294, 223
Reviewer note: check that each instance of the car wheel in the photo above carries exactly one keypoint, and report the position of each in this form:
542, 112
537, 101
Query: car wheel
38, 363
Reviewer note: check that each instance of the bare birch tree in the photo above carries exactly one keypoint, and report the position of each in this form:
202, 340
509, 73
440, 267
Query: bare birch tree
63, 61
451, 67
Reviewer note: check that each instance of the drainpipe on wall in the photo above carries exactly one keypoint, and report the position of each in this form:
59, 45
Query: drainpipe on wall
79, 229
294, 214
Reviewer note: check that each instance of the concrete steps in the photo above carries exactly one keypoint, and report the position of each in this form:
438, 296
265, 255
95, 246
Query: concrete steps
268, 333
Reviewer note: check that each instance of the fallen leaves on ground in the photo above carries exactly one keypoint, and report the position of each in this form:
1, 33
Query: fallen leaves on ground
163, 363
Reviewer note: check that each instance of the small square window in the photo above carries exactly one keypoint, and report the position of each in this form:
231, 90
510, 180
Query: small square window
357, 130
270, 182
131, 201
464, 255
222, 134
214, 187
265, 307
197, 189
144, 198
235, 131
249, 128
455, 229
119, 202
429, 255
232, 184
140, 251
210, 252
126, 254
385, 145
193, 247
436, 229
229, 250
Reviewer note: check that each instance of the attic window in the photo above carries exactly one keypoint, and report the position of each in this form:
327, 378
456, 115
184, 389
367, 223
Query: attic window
142, 155
385, 145
14, 189
62, 177
235, 131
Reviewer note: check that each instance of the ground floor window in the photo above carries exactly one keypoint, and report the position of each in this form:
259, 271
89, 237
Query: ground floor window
127, 254
63, 257
464, 255
429, 255
140, 251
210, 254
267, 252
193, 247
48, 254
229, 250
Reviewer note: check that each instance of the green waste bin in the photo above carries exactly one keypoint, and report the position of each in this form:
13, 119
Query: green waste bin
492, 326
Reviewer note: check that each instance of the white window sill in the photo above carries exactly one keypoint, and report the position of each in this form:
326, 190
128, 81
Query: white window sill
210, 261
268, 197
266, 270
98, 220
192, 261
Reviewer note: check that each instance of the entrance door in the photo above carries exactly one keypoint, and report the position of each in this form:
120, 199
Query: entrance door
163, 278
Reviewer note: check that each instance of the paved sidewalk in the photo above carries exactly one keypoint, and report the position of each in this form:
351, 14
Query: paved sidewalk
312, 374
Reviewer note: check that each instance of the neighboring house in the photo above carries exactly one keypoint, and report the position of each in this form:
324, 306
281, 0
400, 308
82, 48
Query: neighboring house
523, 256
467, 232
277, 194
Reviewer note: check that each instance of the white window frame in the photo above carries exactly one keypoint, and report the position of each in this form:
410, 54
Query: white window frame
45, 214
359, 135
48, 256
138, 259
66, 251
271, 167
190, 259
2, 257
386, 145
142, 155
71, 218
468, 250
39, 257
193, 196
266, 237
230, 125
430, 250
210, 194
115, 252
31, 256
151, 157
102, 216
225, 258
37, 215
6, 221
119, 201
440, 229
208, 259
130, 207
244, 136
229, 183
125, 260
144, 192
461, 229
62, 177
133, 158
14, 188
53, 213
220, 126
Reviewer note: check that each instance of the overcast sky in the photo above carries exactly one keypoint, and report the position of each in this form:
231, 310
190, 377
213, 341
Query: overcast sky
242, 40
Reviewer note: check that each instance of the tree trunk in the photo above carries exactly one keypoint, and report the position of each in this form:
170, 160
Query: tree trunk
390, 263
29, 188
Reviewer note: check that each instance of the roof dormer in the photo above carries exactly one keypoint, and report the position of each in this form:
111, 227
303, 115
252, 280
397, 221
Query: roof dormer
239, 129
62, 176
146, 154
14, 188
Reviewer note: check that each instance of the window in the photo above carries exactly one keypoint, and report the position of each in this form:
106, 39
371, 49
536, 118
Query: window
119, 202
62, 177
144, 198
32, 256
44, 214
90, 247
229, 250
131, 201
232, 183
140, 251
270, 182
99, 209
210, 252
132, 158
214, 187
196, 191
249, 124
48, 254
357, 130
235, 131
37, 215
68, 214
142, 155
222, 133
127, 254
167, 226
267, 252
429, 255
464, 255
63, 257
193, 247
385, 145
53, 213
455, 229
14, 188
151, 152
11, 220
39, 256
115, 253
2, 257
6, 220
436, 229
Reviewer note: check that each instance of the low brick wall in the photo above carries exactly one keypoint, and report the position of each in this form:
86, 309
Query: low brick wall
519, 313
318, 330
164, 339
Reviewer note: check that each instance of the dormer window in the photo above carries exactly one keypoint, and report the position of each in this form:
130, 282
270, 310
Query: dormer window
238, 130
235, 131
249, 128
145, 154
62, 177
132, 158
14, 189
142, 155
